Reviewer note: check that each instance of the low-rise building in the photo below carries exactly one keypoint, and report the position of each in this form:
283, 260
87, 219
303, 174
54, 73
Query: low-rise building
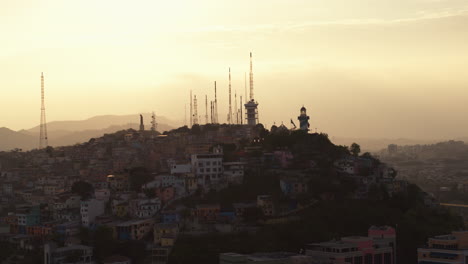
234, 172
134, 229
207, 212
266, 204
78, 254
90, 209
266, 258
164, 230
452, 248
377, 248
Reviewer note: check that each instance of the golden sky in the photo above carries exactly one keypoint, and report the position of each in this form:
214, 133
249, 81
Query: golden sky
363, 68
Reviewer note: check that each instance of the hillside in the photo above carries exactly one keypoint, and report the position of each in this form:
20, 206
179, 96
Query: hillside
63, 133
10, 139
103, 122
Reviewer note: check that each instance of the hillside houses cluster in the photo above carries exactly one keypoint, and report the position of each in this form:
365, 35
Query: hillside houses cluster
38, 202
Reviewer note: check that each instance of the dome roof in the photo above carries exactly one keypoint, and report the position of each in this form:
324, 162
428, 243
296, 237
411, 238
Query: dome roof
303, 109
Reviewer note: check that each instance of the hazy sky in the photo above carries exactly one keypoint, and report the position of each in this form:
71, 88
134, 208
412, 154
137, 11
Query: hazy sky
363, 68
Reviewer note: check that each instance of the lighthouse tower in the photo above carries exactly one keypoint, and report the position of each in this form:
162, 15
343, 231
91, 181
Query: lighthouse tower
304, 120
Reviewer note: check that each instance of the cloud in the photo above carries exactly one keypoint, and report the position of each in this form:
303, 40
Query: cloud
272, 27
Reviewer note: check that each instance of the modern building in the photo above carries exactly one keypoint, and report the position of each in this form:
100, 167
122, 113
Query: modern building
266, 258
377, 248
164, 230
27, 216
452, 248
234, 172
208, 168
134, 229
78, 254
90, 209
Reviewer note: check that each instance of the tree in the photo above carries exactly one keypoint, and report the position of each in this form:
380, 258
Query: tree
82, 188
104, 243
49, 150
355, 149
150, 193
138, 177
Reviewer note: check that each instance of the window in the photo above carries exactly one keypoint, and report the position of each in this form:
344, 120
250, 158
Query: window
387, 258
348, 260
368, 259
378, 259
358, 260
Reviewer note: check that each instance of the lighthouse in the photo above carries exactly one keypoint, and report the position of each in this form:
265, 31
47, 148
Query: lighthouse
304, 120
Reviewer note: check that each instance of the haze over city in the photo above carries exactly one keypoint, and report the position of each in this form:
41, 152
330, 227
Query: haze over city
362, 68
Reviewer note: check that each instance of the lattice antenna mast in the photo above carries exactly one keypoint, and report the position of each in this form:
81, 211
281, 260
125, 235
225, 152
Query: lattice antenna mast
195, 110
251, 79
211, 112
185, 115
235, 107
191, 109
245, 87
241, 118
230, 121
206, 109
43, 139
216, 105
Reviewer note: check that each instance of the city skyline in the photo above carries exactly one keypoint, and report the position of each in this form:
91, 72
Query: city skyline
397, 66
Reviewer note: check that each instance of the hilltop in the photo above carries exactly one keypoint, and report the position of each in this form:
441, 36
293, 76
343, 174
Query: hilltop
64, 133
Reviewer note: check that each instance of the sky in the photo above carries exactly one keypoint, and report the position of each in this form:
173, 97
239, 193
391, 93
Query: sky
362, 68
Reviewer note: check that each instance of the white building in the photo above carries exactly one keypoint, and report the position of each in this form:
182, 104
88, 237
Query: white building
102, 194
78, 254
90, 209
181, 168
234, 172
147, 210
208, 168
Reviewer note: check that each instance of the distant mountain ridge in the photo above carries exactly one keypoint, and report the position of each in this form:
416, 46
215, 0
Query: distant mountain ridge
10, 139
62, 133
102, 122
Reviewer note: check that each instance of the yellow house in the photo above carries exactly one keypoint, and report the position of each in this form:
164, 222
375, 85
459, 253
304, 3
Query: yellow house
121, 210
165, 232
168, 241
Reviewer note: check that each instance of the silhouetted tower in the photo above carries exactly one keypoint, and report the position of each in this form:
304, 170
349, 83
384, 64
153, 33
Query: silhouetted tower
230, 121
191, 109
195, 110
235, 107
245, 87
240, 108
211, 112
43, 139
216, 121
303, 120
185, 115
142, 126
251, 108
206, 109
154, 125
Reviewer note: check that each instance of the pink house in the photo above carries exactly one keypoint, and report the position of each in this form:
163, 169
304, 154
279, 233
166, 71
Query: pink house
377, 248
165, 193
